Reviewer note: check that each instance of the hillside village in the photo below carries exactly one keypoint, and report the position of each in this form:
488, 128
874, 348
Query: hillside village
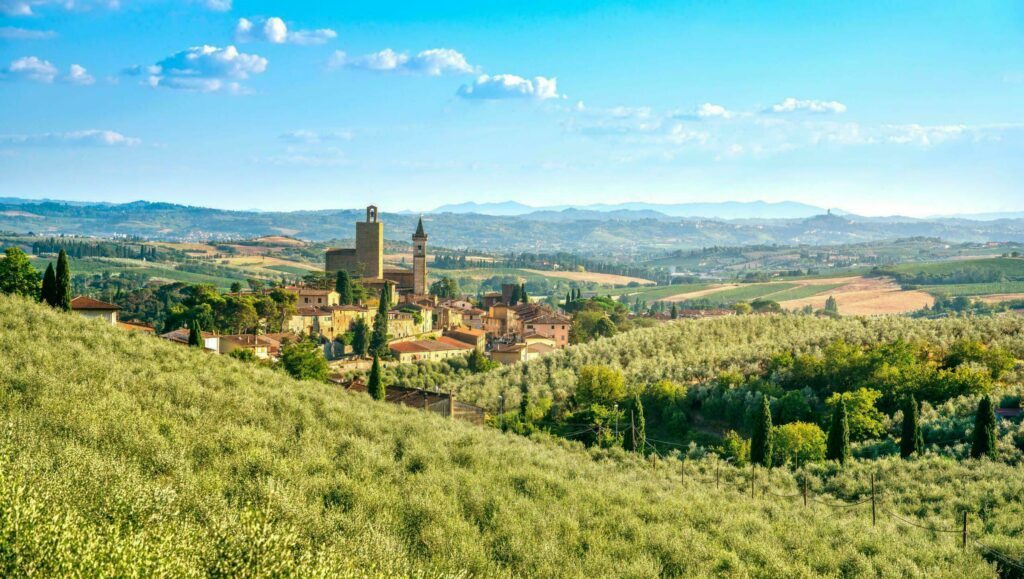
334, 316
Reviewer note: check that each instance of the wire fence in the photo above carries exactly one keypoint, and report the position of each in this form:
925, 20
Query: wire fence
875, 499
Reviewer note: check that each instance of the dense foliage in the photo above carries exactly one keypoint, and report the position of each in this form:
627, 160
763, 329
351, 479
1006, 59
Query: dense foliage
231, 469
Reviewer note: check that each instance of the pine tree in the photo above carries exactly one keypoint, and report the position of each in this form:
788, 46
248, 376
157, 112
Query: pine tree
838, 447
63, 291
343, 285
195, 334
911, 441
984, 444
376, 385
761, 438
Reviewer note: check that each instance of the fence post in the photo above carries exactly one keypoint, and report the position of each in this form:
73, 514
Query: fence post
751, 480
965, 530
874, 512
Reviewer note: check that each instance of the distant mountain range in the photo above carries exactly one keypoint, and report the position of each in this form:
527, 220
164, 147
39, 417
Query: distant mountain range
721, 210
603, 230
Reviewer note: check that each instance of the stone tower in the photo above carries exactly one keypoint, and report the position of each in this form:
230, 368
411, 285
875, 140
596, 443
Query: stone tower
419, 260
370, 245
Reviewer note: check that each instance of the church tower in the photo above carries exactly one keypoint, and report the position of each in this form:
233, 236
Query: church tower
419, 260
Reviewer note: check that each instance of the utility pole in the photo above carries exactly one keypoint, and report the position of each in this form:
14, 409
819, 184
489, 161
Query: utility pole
803, 481
965, 530
616, 414
501, 410
874, 510
632, 431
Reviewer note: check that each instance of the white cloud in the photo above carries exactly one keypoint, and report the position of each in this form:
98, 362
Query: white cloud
30, 68
431, 62
510, 86
13, 33
925, 136
91, 137
713, 111
791, 105
204, 69
275, 31
28, 7
328, 158
314, 137
217, 5
78, 75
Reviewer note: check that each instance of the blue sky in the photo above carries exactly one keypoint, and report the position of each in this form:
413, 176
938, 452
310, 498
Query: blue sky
878, 108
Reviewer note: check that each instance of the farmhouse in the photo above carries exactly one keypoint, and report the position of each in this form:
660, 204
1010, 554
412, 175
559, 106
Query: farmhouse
95, 309
420, 350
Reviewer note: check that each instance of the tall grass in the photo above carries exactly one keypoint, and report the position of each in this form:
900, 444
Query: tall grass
127, 455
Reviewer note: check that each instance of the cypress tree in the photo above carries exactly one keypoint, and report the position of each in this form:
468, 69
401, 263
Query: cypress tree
838, 447
49, 294
761, 438
911, 441
343, 285
636, 440
984, 443
568, 298
523, 297
195, 334
376, 386
675, 311
379, 338
515, 297
62, 294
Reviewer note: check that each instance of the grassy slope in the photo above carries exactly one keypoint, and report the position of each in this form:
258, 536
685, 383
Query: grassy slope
1012, 267
125, 454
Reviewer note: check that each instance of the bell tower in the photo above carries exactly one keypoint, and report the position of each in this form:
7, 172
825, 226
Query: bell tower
419, 260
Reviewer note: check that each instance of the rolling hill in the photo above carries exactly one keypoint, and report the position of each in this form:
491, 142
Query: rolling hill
622, 231
126, 455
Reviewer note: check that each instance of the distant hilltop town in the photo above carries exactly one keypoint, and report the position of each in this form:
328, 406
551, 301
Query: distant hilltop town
365, 262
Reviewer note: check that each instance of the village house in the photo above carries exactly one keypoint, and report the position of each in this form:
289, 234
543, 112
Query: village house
95, 309
447, 318
258, 345
475, 338
313, 297
211, 341
511, 323
508, 354
420, 350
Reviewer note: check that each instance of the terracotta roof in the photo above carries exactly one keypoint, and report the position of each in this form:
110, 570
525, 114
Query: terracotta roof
87, 303
248, 340
308, 291
467, 332
540, 348
181, 335
510, 348
136, 327
420, 346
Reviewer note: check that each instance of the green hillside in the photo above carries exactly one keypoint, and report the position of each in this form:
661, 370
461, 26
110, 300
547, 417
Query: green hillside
126, 455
